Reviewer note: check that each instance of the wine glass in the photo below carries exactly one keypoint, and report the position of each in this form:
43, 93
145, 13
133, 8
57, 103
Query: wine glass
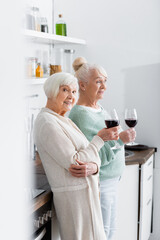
112, 120
131, 120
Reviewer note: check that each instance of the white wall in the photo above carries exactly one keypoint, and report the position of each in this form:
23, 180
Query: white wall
12, 158
122, 36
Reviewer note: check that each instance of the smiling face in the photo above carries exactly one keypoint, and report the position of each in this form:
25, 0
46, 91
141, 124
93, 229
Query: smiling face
65, 99
95, 86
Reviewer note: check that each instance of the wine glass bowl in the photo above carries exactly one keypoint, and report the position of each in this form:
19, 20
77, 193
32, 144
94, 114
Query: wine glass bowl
112, 120
111, 123
131, 120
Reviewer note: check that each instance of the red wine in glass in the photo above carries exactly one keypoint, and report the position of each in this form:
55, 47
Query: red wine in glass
111, 123
112, 120
131, 122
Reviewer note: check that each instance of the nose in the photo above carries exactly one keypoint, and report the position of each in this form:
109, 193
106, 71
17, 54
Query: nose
70, 95
103, 85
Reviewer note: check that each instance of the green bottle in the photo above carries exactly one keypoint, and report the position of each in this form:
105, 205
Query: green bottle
61, 28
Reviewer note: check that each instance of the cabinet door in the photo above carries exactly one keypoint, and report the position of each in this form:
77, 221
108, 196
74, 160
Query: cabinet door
146, 199
128, 204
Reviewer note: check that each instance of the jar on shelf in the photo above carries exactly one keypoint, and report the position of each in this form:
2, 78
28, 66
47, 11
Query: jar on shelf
36, 19
39, 70
29, 18
57, 60
45, 63
31, 66
55, 69
68, 60
61, 28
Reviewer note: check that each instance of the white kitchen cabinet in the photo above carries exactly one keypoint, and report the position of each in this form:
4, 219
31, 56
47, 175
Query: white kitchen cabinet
135, 202
146, 193
128, 204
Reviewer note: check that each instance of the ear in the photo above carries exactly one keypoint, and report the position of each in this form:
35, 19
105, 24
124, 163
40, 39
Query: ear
82, 85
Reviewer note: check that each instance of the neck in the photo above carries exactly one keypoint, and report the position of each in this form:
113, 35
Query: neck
52, 106
87, 101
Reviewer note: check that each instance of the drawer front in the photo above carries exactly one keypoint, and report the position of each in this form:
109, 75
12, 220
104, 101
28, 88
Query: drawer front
146, 190
146, 181
147, 169
145, 220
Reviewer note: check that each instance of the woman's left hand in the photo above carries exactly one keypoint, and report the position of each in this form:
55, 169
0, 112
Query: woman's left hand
128, 135
83, 169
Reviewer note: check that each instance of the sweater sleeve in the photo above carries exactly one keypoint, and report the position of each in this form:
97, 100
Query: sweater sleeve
87, 123
61, 149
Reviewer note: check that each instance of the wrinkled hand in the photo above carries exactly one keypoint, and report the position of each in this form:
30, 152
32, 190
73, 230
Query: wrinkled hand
83, 169
109, 133
128, 135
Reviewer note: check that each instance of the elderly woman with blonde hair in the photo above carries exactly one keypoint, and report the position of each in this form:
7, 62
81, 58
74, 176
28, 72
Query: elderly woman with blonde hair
89, 116
62, 145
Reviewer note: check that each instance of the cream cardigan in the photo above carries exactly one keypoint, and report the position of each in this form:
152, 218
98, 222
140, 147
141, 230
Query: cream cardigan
59, 143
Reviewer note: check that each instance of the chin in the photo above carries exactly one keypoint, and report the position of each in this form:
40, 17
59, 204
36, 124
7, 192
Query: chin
100, 96
69, 108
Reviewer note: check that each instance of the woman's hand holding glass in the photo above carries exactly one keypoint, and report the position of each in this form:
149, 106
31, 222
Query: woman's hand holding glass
128, 135
112, 120
108, 134
131, 121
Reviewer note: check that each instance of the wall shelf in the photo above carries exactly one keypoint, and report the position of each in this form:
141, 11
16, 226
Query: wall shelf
47, 38
35, 81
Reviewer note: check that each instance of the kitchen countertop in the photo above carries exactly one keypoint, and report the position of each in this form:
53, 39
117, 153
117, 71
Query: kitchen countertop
139, 157
41, 182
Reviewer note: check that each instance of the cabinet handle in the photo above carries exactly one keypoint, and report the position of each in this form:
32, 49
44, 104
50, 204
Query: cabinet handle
149, 201
41, 235
149, 163
149, 177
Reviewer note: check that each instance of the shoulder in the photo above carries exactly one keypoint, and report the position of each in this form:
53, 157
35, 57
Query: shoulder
78, 112
46, 123
45, 117
77, 109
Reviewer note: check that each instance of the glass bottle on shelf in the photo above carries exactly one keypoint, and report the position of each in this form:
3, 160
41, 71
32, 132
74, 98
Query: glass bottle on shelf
39, 71
61, 28
44, 25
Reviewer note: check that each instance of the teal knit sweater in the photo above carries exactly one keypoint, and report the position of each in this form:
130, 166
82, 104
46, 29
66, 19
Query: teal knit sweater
112, 161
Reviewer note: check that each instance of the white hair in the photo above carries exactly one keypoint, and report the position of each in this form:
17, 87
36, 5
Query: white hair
53, 83
83, 69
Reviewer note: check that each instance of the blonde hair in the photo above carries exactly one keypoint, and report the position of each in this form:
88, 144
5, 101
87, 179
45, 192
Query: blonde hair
83, 69
53, 83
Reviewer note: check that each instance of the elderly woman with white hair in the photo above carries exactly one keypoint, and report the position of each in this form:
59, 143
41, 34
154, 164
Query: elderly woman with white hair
89, 116
61, 144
